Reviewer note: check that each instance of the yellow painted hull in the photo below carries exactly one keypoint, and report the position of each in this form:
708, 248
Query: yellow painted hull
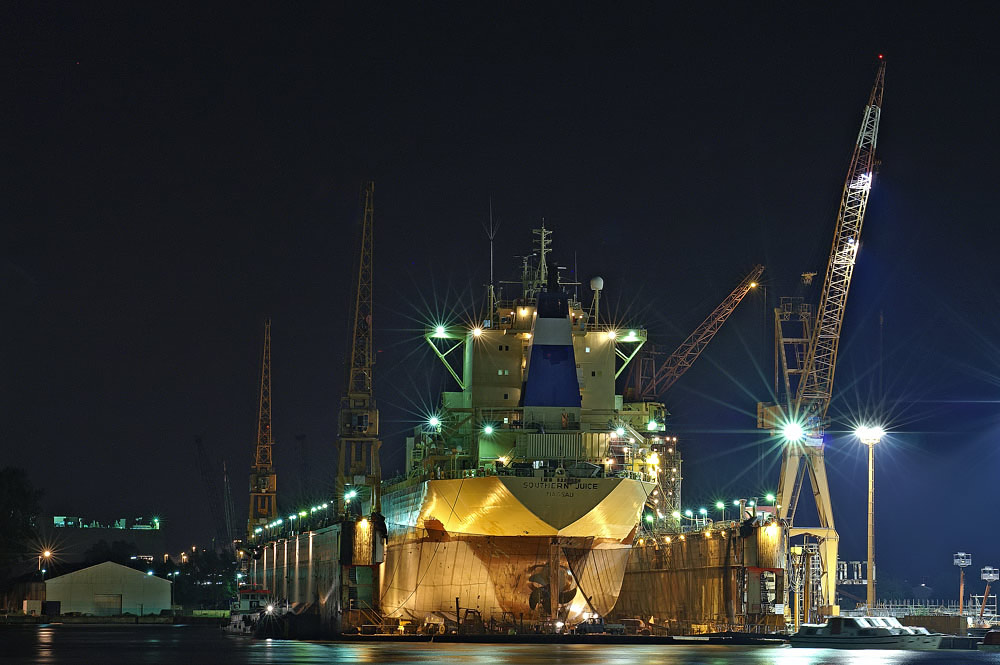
491, 543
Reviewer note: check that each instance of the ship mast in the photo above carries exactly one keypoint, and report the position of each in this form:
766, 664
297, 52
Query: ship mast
491, 233
544, 243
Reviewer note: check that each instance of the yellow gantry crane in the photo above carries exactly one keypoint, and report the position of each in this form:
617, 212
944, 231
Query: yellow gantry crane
263, 480
807, 358
358, 441
647, 381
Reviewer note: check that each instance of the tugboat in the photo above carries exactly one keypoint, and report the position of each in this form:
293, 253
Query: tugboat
248, 612
864, 633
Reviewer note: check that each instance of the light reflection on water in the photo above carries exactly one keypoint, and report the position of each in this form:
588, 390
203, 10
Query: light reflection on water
184, 645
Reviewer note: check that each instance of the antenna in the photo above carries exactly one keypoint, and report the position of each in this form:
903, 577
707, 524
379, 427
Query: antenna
576, 278
491, 233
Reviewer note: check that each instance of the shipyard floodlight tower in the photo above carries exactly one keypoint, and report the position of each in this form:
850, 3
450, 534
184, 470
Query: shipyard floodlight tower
647, 381
963, 560
263, 480
808, 356
870, 436
358, 430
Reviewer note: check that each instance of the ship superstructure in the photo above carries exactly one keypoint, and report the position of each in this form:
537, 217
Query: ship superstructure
524, 491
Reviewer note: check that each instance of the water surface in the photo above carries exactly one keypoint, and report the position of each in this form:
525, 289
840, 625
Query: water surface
201, 645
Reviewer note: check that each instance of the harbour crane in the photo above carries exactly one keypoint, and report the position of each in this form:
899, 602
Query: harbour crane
209, 480
263, 480
808, 358
358, 430
647, 382
359, 470
227, 507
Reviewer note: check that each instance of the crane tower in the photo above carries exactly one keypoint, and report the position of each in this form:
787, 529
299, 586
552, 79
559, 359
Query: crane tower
358, 436
808, 358
263, 481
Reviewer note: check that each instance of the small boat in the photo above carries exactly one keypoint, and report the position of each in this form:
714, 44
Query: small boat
991, 641
864, 633
254, 604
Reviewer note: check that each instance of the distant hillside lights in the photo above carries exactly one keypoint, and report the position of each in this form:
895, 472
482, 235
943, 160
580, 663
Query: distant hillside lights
137, 524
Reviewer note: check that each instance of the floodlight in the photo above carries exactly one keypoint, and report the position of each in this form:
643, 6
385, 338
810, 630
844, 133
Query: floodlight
793, 431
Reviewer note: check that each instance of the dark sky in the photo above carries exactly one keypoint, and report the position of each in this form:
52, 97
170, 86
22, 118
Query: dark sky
175, 174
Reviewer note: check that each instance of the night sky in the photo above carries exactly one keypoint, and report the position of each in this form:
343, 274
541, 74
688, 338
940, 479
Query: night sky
177, 174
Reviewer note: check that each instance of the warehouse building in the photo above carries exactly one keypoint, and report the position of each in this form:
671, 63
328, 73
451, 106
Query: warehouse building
109, 589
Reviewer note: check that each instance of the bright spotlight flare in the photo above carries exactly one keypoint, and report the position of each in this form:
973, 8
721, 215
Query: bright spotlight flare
793, 431
869, 434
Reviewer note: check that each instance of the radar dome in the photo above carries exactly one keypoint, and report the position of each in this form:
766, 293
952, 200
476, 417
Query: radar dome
597, 283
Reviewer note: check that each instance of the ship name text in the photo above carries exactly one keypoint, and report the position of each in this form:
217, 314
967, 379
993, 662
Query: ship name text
554, 485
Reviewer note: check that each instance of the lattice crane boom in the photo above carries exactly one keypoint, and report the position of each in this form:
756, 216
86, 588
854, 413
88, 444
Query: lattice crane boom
362, 357
684, 356
815, 388
803, 418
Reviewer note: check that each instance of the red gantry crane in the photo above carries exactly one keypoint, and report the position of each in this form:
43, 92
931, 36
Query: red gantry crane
808, 360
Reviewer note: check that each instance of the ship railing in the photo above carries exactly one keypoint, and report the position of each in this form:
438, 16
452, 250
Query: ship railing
531, 472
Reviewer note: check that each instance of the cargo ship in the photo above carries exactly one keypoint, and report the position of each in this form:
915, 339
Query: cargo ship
523, 492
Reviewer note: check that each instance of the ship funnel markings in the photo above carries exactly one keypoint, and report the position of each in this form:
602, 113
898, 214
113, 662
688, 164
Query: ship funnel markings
552, 379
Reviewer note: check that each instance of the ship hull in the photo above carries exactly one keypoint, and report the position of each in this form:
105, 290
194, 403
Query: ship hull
500, 544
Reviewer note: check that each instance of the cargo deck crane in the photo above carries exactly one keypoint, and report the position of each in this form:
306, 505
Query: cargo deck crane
802, 419
648, 382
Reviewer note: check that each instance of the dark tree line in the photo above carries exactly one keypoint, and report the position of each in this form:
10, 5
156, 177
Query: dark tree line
19, 509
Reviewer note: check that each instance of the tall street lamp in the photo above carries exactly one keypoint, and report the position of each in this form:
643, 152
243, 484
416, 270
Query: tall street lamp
47, 554
870, 436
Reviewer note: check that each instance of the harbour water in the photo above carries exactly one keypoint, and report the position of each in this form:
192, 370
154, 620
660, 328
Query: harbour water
190, 645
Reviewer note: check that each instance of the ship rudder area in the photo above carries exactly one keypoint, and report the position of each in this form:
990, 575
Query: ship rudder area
507, 581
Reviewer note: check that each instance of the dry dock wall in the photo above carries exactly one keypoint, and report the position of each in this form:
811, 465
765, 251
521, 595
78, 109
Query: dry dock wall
706, 581
304, 569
